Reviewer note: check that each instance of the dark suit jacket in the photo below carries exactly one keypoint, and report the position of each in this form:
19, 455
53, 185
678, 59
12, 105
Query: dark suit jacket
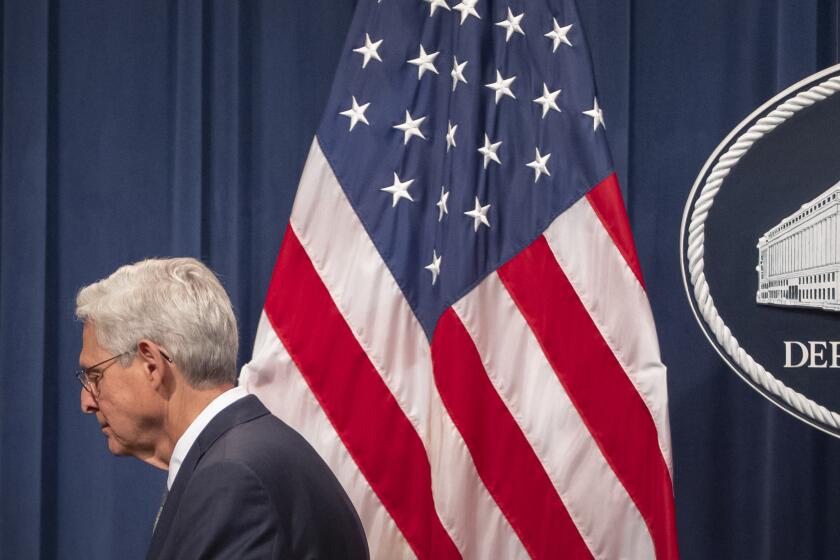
252, 487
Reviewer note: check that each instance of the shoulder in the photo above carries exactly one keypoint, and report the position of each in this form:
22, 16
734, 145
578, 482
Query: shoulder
246, 432
265, 440
269, 462
275, 455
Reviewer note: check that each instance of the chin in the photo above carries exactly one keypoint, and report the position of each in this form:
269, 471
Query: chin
116, 448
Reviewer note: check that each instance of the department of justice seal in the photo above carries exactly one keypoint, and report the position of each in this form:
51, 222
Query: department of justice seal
760, 250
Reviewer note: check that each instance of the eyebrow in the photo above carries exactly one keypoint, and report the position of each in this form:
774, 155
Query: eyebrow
86, 367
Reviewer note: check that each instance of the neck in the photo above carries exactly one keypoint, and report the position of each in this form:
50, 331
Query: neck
183, 406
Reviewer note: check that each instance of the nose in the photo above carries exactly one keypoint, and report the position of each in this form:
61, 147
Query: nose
89, 404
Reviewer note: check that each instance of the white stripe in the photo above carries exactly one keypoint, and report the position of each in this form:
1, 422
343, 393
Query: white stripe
274, 378
368, 297
597, 502
618, 305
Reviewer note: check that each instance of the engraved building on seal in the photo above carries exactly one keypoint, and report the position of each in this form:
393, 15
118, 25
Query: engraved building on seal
799, 258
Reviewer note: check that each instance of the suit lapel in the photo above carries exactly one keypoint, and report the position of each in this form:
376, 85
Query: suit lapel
243, 410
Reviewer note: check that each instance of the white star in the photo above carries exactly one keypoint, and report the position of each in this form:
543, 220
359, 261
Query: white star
501, 86
424, 62
370, 50
457, 72
538, 165
435, 4
479, 215
441, 204
467, 8
597, 115
489, 151
511, 23
411, 127
450, 136
434, 266
558, 35
356, 113
399, 189
548, 100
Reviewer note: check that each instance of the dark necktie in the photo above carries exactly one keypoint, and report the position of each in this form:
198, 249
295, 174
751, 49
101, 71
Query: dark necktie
160, 509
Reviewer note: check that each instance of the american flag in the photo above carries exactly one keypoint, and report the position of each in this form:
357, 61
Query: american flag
457, 320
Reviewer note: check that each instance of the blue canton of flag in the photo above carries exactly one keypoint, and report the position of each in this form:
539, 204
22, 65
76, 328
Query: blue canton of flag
458, 136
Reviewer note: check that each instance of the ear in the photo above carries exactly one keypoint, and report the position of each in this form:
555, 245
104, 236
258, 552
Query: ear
153, 363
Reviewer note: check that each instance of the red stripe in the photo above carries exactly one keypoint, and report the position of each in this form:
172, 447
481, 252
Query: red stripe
363, 411
608, 205
503, 457
597, 385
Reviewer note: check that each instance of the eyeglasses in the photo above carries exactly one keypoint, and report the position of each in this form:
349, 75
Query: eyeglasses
91, 376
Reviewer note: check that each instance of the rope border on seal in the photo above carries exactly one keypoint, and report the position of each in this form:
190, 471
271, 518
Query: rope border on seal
695, 245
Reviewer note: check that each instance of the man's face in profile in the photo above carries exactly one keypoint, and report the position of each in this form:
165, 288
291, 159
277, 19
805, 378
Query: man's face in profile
123, 402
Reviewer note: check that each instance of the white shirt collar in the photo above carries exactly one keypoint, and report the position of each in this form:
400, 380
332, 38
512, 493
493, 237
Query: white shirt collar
187, 439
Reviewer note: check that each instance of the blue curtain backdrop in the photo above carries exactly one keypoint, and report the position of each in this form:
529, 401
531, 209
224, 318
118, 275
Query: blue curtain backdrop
152, 128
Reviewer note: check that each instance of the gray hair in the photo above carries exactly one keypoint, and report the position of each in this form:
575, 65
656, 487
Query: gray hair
176, 303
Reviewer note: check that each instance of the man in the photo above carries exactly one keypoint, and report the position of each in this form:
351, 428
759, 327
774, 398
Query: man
158, 366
